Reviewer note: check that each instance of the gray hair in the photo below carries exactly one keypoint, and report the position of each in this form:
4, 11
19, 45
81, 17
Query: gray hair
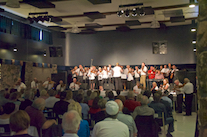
52, 92
130, 94
144, 100
71, 121
28, 94
39, 103
102, 103
186, 80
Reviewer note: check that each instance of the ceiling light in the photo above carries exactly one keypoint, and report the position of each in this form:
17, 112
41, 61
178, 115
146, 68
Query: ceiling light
134, 12
120, 13
75, 29
45, 54
155, 24
15, 50
194, 50
193, 29
141, 12
191, 5
127, 13
194, 42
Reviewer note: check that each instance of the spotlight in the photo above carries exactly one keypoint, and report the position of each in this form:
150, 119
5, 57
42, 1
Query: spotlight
15, 50
134, 12
194, 42
127, 12
191, 5
120, 13
193, 29
194, 50
141, 12
45, 54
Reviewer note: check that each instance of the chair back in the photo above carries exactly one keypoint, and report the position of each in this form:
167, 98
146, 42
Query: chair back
32, 131
146, 126
5, 130
161, 120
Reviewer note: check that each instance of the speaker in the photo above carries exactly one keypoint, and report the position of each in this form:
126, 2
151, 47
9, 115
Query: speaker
55, 51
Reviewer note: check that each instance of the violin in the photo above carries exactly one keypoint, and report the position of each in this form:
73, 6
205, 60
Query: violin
63, 85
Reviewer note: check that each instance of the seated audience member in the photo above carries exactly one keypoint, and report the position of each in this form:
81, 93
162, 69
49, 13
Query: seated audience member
84, 130
51, 100
8, 109
3, 100
166, 98
74, 86
85, 107
159, 108
148, 94
19, 123
92, 96
101, 115
87, 97
28, 96
137, 90
37, 118
69, 96
61, 106
111, 96
70, 123
13, 97
130, 103
110, 126
43, 94
94, 108
126, 119
144, 109
139, 97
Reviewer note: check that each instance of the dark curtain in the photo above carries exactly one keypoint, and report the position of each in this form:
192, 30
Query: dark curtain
47, 37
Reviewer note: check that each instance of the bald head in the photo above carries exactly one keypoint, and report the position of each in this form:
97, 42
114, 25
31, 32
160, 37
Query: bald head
39, 103
120, 104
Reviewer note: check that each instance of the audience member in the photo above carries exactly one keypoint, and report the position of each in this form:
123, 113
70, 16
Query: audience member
19, 123
166, 98
110, 126
37, 118
85, 107
87, 97
92, 96
61, 106
84, 130
8, 109
71, 123
13, 98
111, 96
28, 96
51, 100
3, 100
43, 94
126, 119
159, 108
130, 103
148, 94
101, 115
144, 109
69, 96
94, 108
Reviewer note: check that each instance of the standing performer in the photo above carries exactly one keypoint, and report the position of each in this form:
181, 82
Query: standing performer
110, 74
74, 72
92, 74
179, 94
136, 74
130, 78
100, 77
143, 72
117, 76
80, 72
105, 75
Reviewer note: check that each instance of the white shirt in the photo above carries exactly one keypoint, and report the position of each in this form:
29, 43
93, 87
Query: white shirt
80, 73
50, 102
34, 85
91, 75
73, 86
47, 85
130, 77
60, 88
117, 71
137, 90
103, 93
110, 128
21, 86
188, 88
136, 75
168, 89
165, 70
110, 72
142, 71
100, 75
70, 135
177, 91
126, 71
174, 70
105, 74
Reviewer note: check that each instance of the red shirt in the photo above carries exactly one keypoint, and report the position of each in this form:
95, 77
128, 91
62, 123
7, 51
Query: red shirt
93, 110
151, 75
131, 104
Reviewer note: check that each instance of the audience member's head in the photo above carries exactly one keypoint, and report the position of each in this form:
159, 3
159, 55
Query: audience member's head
75, 106
95, 103
144, 100
8, 108
111, 95
131, 95
101, 88
79, 98
112, 109
165, 93
19, 122
52, 92
63, 95
122, 98
28, 94
98, 93
102, 103
93, 95
139, 97
69, 94
120, 104
13, 90
71, 122
39, 104
88, 93
43, 92
147, 93
81, 91
13, 96
156, 97
118, 92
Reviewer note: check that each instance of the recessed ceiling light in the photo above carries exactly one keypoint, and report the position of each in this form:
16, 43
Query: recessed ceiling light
194, 50
194, 42
193, 29
45, 54
15, 49
191, 5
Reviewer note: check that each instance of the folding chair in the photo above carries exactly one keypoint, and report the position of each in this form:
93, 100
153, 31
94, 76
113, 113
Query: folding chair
5, 130
160, 120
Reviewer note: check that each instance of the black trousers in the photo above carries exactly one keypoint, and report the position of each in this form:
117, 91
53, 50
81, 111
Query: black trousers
188, 103
129, 85
118, 84
179, 103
